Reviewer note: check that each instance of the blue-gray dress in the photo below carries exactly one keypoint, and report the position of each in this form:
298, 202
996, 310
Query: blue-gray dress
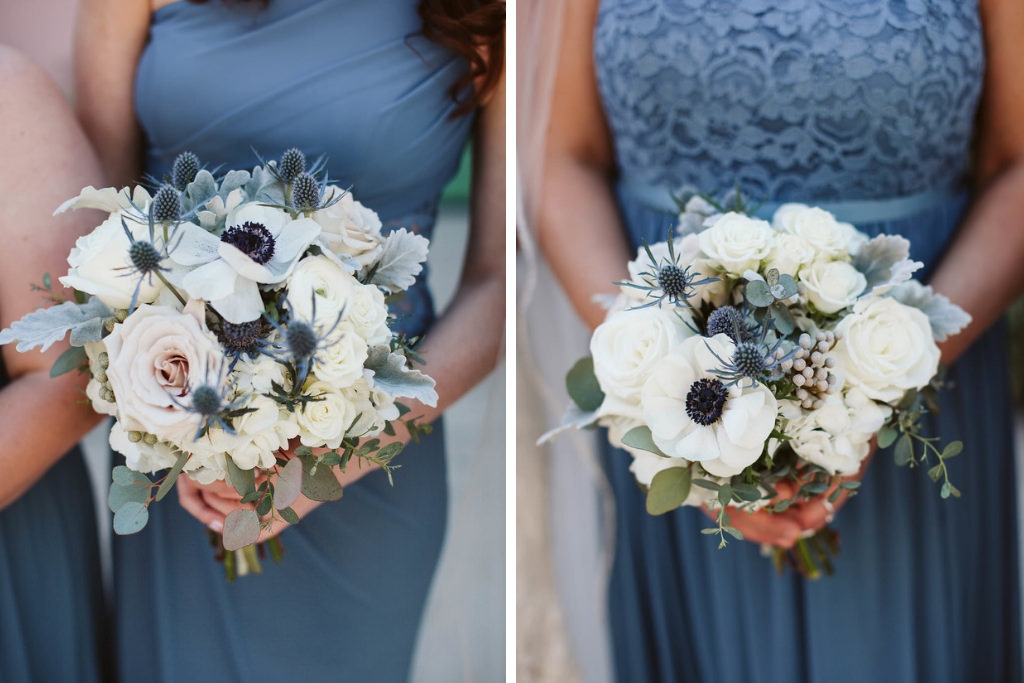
865, 107
52, 618
350, 79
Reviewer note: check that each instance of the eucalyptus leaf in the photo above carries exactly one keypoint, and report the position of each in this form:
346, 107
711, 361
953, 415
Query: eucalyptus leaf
289, 484
390, 451
72, 359
393, 377
289, 515
747, 492
935, 472
322, 485
952, 450
904, 452
724, 494
130, 518
47, 326
243, 481
582, 385
758, 294
241, 528
669, 489
124, 476
640, 437
172, 476
734, 532
946, 489
264, 504
130, 493
887, 436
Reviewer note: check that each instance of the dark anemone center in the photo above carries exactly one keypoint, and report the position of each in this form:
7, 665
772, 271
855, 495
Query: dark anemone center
144, 257
206, 400
252, 239
672, 280
244, 337
705, 400
301, 340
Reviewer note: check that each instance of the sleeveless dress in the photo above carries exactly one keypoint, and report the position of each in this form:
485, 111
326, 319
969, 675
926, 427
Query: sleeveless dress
351, 79
52, 618
864, 107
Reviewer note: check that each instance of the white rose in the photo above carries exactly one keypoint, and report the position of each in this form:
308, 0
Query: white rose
100, 265
886, 348
693, 416
324, 422
258, 434
737, 242
790, 254
837, 436
627, 346
350, 229
341, 362
368, 313
156, 356
832, 285
329, 283
818, 228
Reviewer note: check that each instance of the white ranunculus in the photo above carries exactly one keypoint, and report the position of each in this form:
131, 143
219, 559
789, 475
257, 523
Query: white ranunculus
341, 361
837, 436
156, 356
324, 422
627, 346
737, 242
829, 238
373, 407
790, 254
832, 285
100, 265
886, 348
337, 291
258, 375
260, 245
730, 430
368, 313
350, 230
258, 434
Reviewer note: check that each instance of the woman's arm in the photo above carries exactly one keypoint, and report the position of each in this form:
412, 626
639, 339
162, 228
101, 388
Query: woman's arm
466, 342
982, 271
47, 160
109, 37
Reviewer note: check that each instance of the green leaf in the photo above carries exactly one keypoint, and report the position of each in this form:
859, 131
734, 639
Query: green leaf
758, 294
669, 489
707, 531
747, 492
120, 494
706, 484
244, 481
241, 528
904, 452
130, 518
887, 436
289, 484
172, 476
583, 387
72, 359
289, 515
935, 472
264, 504
47, 281
321, 486
640, 437
782, 505
787, 287
952, 450
124, 476
725, 494
330, 458
784, 322
734, 532
947, 488
389, 452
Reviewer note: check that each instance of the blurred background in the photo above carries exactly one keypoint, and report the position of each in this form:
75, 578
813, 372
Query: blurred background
463, 634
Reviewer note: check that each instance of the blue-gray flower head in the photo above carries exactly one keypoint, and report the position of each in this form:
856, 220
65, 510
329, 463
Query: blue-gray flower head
726, 320
293, 163
252, 239
144, 257
673, 281
705, 401
184, 171
206, 401
166, 206
749, 359
305, 192
301, 339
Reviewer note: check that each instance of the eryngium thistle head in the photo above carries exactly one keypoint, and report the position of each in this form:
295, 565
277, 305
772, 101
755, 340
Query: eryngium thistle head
300, 339
305, 192
748, 359
184, 171
144, 257
293, 162
726, 320
672, 280
206, 400
166, 206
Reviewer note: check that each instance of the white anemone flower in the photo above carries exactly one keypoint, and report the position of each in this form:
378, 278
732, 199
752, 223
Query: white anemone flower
260, 245
693, 414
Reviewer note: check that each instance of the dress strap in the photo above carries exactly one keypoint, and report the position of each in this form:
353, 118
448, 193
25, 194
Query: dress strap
857, 211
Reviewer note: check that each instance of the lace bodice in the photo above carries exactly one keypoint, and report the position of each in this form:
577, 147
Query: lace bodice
793, 99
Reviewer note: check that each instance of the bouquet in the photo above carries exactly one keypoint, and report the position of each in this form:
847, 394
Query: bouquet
741, 354
231, 324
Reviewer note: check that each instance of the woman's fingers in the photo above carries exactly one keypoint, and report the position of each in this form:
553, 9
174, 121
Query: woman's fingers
190, 497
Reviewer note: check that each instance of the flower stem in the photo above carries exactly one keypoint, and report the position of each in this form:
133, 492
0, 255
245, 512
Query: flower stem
171, 287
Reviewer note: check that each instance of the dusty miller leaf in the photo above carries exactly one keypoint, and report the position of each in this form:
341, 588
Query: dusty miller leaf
946, 318
393, 377
46, 326
885, 262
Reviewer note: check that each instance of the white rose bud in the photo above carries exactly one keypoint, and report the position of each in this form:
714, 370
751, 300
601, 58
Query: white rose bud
832, 285
818, 228
737, 242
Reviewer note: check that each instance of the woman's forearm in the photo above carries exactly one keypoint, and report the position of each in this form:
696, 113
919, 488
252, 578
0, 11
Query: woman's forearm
983, 271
